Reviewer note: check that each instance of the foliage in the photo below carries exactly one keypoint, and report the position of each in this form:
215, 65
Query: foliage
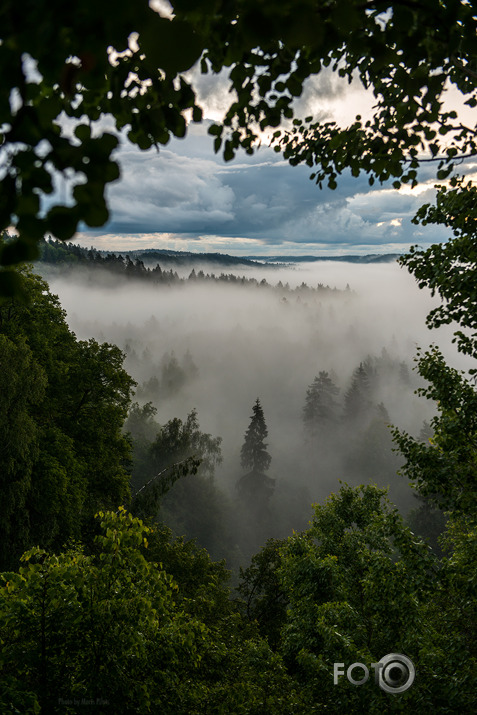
115, 631
140, 423
263, 598
444, 468
63, 403
428, 522
84, 70
406, 53
360, 585
173, 478
22, 386
176, 441
100, 627
449, 269
203, 590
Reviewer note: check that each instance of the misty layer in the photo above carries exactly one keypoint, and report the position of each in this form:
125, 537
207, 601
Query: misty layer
210, 349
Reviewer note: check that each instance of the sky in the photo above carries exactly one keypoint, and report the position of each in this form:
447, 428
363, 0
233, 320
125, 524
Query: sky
185, 197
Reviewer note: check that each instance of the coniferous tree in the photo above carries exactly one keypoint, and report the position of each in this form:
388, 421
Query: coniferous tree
254, 455
357, 402
255, 488
320, 410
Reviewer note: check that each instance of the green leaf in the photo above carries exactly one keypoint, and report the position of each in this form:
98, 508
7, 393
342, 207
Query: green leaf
215, 130
62, 221
11, 286
83, 132
171, 45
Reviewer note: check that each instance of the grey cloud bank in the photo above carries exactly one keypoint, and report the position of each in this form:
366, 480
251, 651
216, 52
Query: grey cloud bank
185, 193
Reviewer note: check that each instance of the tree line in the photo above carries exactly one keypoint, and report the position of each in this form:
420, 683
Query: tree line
56, 252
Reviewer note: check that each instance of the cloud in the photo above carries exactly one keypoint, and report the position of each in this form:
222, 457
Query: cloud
167, 192
329, 97
186, 193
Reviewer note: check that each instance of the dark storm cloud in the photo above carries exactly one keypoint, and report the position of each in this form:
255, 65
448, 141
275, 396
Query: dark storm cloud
187, 191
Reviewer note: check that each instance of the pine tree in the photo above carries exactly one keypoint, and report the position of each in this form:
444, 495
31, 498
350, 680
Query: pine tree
254, 455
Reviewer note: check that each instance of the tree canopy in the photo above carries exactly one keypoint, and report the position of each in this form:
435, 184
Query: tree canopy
126, 61
359, 583
115, 631
63, 403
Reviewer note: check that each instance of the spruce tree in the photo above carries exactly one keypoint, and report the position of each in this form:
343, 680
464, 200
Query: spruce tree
254, 455
320, 410
357, 402
255, 488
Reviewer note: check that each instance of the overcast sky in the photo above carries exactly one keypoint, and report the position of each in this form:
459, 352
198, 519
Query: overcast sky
185, 197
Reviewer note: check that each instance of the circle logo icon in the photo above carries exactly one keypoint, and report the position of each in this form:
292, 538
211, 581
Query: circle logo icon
396, 674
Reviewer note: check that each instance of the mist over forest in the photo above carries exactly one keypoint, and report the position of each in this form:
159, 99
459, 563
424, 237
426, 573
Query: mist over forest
210, 348
239, 484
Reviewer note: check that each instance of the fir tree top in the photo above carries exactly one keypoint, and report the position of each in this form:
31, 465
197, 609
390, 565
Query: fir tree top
254, 455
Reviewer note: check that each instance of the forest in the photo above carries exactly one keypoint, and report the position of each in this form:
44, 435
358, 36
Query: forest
226, 493
190, 564
271, 341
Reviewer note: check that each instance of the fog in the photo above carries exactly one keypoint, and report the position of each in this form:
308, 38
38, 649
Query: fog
247, 341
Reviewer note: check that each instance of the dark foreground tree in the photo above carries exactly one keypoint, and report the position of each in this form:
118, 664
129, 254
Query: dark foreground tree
62, 406
263, 597
360, 585
114, 633
443, 468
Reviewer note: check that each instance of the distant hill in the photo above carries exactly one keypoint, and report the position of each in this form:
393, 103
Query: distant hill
176, 259
371, 258
69, 256
179, 258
